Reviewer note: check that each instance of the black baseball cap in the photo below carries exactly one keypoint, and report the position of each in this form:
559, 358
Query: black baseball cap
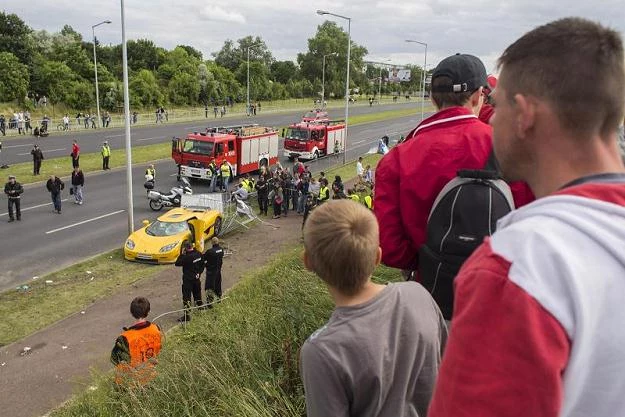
467, 73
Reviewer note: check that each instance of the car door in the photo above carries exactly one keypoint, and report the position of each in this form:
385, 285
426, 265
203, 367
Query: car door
197, 230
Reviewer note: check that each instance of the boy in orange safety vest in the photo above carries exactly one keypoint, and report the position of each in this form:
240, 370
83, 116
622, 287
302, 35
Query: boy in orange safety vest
135, 350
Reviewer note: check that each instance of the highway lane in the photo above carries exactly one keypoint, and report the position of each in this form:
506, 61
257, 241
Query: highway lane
15, 150
44, 241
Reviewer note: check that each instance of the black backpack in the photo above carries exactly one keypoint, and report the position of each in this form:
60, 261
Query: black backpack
464, 213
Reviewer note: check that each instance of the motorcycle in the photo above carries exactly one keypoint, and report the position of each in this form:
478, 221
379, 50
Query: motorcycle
158, 199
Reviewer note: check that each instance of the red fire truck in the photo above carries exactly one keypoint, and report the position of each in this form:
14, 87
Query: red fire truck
313, 140
246, 148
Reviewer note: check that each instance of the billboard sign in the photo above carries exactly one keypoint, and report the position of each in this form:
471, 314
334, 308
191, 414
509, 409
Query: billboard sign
396, 75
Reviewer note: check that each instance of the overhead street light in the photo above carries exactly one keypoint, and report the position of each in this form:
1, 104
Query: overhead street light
349, 48
131, 223
425, 62
323, 79
95, 67
247, 111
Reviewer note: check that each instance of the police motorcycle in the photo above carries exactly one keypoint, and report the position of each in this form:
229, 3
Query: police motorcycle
158, 199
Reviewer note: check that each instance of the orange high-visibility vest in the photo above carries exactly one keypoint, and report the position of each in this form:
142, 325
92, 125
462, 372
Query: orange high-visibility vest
144, 345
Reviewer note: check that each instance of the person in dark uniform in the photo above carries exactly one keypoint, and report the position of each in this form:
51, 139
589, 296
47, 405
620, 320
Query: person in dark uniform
14, 190
37, 158
262, 189
192, 266
213, 259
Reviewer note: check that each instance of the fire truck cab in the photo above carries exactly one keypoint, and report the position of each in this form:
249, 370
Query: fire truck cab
311, 140
246, 148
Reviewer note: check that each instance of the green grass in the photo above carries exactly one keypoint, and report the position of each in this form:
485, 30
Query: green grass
239, 359
24, 312
90, 162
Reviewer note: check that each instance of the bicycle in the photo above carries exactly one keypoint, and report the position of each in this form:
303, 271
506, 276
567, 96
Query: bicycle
61, 127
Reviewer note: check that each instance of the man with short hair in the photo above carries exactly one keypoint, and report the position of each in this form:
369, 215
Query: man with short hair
75, 154
537, 326
379, 353
213, 259
78, 182
54, 185
192, 266
106, 155
14, 190
37, 158
359, 169
135, 350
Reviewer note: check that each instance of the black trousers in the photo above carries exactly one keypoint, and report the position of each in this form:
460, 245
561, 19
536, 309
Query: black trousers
105, 162
36, 166
14, 202
191, 288
263, 203
213, 285
276, 208
75, 162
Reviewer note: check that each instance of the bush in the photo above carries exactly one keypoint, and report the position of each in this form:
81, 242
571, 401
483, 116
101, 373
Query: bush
239, 359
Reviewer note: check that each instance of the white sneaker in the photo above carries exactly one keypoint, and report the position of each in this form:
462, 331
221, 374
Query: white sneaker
80, 203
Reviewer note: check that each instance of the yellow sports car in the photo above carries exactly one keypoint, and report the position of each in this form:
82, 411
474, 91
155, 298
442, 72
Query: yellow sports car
161, 242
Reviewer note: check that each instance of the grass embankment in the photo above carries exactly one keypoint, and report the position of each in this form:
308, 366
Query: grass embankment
91, 162
239, 359
25, 311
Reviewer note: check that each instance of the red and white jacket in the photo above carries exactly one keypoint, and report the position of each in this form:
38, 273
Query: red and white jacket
411, 175
538, 325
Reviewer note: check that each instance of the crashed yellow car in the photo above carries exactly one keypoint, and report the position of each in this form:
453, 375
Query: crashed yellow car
160, 242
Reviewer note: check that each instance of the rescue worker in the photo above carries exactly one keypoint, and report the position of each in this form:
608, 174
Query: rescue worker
213, 259
151, 171
353, 195
262, 190
192, 266
324, 191
14, 190
213, 170
225, 175
37, 158
135, 350
106, 154
368, 200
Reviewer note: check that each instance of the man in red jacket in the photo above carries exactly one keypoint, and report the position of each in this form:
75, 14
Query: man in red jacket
538, 314
488, 109
411, 175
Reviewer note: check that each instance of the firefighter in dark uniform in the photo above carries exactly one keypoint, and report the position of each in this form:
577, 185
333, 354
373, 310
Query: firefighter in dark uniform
213, 259
14, 190
192, 266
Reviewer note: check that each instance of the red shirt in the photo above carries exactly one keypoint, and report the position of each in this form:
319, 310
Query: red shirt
75, 150
411, 175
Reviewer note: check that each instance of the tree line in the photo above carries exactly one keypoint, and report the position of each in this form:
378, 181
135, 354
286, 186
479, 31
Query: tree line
59, 66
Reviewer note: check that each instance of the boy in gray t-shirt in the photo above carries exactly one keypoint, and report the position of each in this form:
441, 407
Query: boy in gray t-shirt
379, 353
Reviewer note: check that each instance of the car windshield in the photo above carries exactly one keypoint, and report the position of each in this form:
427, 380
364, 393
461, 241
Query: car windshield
299, 134
198, 147
159, 228
311, 115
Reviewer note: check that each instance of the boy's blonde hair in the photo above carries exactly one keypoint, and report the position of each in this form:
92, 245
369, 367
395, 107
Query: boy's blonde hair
341, 240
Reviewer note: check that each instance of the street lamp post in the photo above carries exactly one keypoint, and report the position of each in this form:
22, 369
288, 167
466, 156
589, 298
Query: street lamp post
425, 63
323, 79
95, 67
380, 83
349, 49
247, 111
131, 222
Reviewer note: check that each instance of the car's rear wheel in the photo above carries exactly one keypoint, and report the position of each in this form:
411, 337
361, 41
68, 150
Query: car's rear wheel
217, 226
156, 205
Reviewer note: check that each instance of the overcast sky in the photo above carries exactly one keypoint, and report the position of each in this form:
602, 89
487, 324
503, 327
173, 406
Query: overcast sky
480, 27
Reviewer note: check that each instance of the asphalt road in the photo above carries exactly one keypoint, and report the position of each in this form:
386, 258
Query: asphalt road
17, 149
45, 241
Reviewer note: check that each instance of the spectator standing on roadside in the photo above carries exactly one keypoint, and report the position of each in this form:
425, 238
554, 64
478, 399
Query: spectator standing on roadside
379, 353
262, 192
27, 125
66, 122
86, 120
213, 259
106, 155
359, 169
20, 124
14, 191
552, 274
135, 351
192, 265
55, 186
37, 158
3, 126
78, 182
75, 154
277, 199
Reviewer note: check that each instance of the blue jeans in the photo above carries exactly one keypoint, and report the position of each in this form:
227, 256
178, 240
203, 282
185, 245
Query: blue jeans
78, 193
226, 182
213, 183
56, 201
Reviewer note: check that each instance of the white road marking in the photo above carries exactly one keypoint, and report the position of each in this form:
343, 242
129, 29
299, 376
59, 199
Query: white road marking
18, 146
84, 221
34, 207
114, 136
155, 137
47, 150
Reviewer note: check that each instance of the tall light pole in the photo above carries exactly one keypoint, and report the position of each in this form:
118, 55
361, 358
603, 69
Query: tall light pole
425, 63
349, 49
247, 111
323, 79
131, 223
380, 82
95, 67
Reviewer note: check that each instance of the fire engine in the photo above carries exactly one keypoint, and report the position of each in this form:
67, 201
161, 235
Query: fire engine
313, 140
246, 148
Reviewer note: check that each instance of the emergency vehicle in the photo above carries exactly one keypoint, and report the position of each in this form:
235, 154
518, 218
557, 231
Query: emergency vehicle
246, 148
311, 140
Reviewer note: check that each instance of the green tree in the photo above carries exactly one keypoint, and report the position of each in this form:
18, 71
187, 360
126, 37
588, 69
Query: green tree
143, 54
54, 79
80, 95
330, 38
184, 89
283, 71
225, 86
230, 56
260, 82
191, 51
144, 90
14, 78
15, 37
